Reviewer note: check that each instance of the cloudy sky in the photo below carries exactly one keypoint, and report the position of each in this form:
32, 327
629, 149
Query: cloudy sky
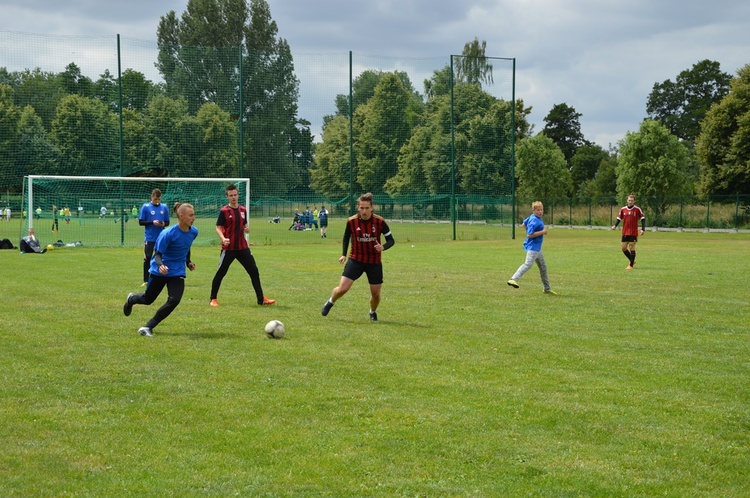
601, 57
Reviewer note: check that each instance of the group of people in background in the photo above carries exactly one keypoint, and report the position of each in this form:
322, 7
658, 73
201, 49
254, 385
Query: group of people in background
311, 220
167, 251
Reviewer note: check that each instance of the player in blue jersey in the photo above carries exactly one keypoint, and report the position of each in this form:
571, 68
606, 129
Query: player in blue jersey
535, 233
167, 269
154, 216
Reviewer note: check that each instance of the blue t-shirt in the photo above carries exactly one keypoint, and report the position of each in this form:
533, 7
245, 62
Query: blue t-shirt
152, 213
533, 224
173, 244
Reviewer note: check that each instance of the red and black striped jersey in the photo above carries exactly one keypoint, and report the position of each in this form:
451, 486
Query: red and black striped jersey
365, 234
630, 218
232, 222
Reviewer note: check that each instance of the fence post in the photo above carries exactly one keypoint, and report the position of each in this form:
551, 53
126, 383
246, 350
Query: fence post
736, 211
708, 213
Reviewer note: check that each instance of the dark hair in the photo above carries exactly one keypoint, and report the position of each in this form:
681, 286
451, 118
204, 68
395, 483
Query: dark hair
156, 192
230, 187
365, 198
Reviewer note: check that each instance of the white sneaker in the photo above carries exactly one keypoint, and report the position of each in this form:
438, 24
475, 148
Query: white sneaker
145, 331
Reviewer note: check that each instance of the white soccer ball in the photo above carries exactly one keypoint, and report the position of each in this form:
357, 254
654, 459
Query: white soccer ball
275, 329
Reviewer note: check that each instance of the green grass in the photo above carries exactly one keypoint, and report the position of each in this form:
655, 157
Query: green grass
625, 384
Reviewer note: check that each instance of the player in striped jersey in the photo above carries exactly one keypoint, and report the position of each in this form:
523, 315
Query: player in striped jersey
231, 227
364, 230
630, 215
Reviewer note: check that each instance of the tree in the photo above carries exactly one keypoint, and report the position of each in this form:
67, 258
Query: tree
330, 175
439, 84
585, 164
487, 165
10, 115
541, 169
199, 57
384, 130
42, 91
604, 182
36, 152
162, 119
473, 66
653, 164
73, 82
723, 146
681, 105
482, 146
85, 132
564, 128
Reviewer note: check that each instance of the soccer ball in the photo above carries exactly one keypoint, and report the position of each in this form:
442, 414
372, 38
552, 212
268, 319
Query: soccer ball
50, 247
275, 329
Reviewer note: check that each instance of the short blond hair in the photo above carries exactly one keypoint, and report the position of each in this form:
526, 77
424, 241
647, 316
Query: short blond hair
537, 204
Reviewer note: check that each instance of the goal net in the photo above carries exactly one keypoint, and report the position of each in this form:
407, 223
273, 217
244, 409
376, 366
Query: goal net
103, 211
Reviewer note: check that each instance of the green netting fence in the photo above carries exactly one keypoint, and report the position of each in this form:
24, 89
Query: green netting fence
431, 138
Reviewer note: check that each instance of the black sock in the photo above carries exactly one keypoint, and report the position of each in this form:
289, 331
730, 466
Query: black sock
632, 258
627, 254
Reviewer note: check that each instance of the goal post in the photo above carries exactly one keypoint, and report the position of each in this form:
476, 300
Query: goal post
103, 210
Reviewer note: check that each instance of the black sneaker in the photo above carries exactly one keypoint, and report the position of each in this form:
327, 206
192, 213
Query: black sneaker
326, 308
373, 316
128, 308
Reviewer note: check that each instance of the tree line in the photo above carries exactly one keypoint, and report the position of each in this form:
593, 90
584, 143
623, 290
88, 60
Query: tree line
228, 106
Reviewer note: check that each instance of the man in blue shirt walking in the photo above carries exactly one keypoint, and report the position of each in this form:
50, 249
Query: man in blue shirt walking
535, 233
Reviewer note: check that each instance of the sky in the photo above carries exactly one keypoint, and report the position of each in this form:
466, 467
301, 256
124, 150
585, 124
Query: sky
600, 57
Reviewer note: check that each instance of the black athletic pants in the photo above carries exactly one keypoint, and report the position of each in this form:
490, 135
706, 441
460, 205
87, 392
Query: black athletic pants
148, 253
247, 261
175, 288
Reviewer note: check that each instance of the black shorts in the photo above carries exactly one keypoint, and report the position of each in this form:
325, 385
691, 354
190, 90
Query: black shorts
629, 238
323, 223
355, 269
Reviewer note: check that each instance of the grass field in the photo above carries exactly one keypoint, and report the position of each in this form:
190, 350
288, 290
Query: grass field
625, 384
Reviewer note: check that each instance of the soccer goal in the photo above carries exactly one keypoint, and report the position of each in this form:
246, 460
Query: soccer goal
103, 210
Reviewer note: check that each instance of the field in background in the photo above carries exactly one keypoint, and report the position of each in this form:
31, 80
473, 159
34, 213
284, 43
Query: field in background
625, 384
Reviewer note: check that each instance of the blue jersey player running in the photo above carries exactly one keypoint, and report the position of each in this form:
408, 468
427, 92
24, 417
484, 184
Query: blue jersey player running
167, 269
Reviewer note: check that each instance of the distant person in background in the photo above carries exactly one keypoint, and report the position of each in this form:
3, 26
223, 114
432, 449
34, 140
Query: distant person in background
38, 212
30, 244
153, 218
167, 268
66, 213
630, 215
323, 218
55, 225
102, 212
231, 227
7, 213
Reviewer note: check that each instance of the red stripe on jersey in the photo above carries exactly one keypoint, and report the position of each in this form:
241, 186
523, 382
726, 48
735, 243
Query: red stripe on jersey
630, 218
365, 235
232, 222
